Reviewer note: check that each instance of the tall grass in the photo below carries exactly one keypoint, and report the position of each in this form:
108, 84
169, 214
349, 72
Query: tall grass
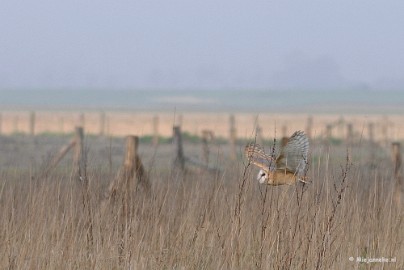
197, 220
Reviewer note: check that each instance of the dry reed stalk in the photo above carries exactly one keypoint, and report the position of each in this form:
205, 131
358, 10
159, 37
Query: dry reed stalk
206, 222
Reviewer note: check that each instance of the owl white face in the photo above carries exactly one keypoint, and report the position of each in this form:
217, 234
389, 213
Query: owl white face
262, 176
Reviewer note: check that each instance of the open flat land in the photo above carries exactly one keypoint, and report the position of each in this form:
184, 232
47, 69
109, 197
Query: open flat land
350, 215
122, 123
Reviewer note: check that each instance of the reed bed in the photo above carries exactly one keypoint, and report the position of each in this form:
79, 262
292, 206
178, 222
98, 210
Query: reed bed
204, 220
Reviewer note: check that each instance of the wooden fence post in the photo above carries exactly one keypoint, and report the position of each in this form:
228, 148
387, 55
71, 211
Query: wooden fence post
398, 186
78, 157
285, 131
328, 133
180, 120
155, 139
133, 164
32, 123
15, 123
384, 130
340, 129
370, 132
179, 161
232, 137
129, 163
62, 125
396, 157
102, 123
309, 127
82, 120
349, 134
207, 136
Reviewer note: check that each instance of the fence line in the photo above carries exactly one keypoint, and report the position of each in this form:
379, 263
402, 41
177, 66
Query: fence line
383, 129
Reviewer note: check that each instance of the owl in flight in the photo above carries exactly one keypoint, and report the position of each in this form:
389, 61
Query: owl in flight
288, 167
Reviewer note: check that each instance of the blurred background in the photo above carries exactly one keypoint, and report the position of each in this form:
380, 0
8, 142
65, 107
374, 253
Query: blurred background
259, 57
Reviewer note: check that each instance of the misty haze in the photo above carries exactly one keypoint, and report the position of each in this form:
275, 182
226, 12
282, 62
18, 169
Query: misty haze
192, 134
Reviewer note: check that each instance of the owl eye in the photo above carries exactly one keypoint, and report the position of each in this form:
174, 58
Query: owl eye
262, 174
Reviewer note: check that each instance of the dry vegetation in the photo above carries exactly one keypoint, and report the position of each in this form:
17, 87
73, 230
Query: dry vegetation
200, 220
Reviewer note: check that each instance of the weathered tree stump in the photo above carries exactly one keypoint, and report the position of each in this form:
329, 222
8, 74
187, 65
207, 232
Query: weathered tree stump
131, 174
133, 165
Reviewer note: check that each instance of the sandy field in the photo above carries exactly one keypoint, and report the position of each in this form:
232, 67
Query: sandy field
122, 123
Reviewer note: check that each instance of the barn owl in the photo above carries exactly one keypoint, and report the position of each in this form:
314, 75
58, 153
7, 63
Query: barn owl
289, 165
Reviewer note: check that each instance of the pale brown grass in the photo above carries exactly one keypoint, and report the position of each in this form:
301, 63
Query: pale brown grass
204, 221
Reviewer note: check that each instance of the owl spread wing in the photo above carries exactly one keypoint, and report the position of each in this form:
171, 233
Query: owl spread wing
293, 155
256, 155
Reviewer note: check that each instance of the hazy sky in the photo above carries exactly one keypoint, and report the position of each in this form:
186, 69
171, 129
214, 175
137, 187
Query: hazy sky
201, 44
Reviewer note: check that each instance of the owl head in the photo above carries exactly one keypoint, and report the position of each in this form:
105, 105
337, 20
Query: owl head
262, 176
265, 176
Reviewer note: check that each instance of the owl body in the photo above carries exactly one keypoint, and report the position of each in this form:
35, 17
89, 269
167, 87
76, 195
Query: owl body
285, 169
277, 177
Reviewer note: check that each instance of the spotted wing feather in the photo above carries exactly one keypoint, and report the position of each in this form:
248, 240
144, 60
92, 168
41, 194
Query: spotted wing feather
256, 155
293, 156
